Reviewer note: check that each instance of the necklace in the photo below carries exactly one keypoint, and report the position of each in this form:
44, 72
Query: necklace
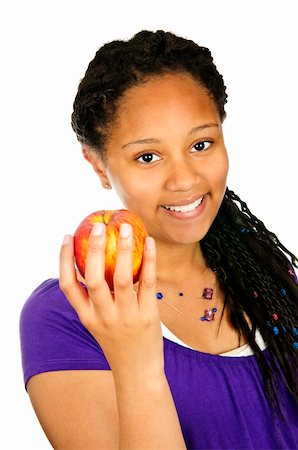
207, 294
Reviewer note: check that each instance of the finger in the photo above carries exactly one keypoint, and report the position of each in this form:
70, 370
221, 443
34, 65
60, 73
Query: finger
147, 281
79, 277
95, 264
123, 278
68, 283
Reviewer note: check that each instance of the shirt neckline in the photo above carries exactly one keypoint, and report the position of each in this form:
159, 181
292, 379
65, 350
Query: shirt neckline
231, 354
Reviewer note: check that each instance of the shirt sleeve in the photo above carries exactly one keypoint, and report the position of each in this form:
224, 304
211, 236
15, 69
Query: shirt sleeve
52, 336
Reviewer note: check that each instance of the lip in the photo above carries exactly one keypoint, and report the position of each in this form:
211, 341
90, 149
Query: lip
187, 215
185, 201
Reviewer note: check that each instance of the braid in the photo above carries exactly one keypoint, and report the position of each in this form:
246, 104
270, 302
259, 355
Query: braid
252, 267
258, 282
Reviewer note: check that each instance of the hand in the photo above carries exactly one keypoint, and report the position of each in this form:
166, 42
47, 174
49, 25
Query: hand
126, 324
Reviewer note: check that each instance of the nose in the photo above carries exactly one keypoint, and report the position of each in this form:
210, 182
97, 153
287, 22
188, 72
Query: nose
182, 175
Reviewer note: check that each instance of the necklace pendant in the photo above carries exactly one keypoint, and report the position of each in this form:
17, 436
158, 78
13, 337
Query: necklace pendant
207, 293
209, 314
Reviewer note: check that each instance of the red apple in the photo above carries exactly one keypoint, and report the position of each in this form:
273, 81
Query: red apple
113, 220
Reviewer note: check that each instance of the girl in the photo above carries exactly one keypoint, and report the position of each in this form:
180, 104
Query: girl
200, 353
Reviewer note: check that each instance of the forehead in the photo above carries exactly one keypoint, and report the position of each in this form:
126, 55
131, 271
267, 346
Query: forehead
164, 100
165, 87
163, 95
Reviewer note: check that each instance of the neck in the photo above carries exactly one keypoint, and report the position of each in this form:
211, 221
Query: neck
179, 262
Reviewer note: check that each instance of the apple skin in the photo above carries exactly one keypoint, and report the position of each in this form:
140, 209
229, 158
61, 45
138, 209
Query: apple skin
113, 220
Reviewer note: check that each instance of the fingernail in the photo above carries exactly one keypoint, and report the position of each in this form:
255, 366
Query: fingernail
149, 243
66, 239
125, 230
97, 229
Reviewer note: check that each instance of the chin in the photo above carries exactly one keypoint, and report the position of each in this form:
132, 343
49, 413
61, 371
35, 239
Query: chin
188, 238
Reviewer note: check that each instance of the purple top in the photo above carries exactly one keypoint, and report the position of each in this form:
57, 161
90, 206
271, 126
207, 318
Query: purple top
220, 400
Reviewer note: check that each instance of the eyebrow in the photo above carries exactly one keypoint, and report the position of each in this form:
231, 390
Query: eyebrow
156, 141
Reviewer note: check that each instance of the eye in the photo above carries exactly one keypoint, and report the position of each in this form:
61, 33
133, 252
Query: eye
202, 145
146, 158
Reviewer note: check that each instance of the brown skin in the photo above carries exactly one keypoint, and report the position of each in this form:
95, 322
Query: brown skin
167, 108
100, 409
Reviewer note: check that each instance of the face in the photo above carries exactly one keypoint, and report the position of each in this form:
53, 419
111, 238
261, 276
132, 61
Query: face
166, 157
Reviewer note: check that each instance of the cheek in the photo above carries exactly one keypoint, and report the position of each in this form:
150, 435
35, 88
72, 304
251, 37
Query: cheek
132, 191
218, 171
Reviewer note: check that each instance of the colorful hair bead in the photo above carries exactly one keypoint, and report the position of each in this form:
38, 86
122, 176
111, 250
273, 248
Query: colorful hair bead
274, 316
295, 345
244, 230
293, 275
255, 294
275, 330
283, 292
294, 331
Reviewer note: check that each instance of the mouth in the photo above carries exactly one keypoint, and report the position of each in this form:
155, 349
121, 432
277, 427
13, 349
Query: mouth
187, 207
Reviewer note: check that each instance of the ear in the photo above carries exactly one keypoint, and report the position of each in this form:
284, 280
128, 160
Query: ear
98, 165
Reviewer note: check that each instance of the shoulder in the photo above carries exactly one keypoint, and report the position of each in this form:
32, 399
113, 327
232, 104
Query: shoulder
44, 295
52, 336
46, 299
46, 309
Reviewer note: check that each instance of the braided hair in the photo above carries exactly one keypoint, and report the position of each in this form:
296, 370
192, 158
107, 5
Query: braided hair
254, 269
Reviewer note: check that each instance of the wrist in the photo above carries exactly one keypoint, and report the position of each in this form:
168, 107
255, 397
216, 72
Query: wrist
148, 379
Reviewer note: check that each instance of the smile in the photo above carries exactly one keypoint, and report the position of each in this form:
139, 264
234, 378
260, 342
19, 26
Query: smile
185, 208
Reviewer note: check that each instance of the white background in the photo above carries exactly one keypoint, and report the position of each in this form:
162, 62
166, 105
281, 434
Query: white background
47, 187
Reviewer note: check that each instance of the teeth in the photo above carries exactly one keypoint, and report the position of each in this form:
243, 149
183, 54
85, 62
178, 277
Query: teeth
185, 208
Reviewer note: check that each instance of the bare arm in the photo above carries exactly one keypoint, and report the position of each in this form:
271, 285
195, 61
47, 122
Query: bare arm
76, 409
127, 326
147, 415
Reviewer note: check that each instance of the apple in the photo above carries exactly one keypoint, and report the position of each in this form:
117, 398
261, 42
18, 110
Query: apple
113, 220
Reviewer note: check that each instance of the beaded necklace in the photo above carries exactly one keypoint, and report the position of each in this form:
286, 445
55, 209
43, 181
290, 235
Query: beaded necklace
207, 294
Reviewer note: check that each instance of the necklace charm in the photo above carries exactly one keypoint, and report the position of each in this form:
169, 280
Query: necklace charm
209, 314
207, 293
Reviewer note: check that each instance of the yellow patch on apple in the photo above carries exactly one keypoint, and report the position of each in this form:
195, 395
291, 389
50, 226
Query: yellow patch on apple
112, 219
